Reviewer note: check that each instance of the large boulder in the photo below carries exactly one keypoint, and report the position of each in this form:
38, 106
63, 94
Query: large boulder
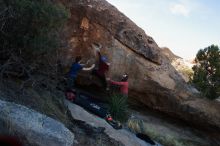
153, 81
32, 127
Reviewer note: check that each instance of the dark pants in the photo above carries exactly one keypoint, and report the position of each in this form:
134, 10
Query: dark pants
71, 82
101, 77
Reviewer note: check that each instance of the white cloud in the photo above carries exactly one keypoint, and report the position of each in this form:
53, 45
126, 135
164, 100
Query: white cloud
180, 9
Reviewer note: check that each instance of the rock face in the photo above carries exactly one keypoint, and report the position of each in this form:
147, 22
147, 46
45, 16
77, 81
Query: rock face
35, 128
153, 81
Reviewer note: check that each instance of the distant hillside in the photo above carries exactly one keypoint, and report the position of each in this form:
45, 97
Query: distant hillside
183, 66
171, 56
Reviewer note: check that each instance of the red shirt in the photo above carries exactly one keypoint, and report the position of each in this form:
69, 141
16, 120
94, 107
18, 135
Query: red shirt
123, 86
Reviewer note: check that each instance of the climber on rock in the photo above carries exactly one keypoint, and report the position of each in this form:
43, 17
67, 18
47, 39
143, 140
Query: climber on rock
103, 67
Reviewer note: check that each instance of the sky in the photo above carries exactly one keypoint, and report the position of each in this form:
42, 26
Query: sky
184, 26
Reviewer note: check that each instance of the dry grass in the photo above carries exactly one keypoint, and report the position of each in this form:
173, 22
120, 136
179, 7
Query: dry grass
166, 139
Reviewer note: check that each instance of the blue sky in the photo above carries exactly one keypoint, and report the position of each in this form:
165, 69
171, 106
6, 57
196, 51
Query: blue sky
184, 26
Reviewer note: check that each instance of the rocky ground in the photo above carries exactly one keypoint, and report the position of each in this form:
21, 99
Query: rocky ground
170, 131
50, 103
124, 136
161, 128
89, 130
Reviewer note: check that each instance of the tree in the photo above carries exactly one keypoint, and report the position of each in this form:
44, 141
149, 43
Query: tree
30, 25
206, 76
29, 31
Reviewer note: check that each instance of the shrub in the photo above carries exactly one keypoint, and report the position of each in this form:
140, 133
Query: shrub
119, 107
